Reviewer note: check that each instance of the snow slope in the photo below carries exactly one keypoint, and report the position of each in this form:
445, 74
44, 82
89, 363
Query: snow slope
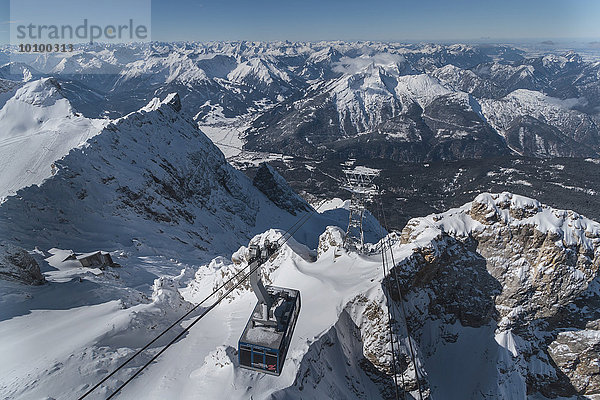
38, 126
203, 362
206, 363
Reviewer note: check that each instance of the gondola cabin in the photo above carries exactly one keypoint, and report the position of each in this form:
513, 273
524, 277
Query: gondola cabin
265, 342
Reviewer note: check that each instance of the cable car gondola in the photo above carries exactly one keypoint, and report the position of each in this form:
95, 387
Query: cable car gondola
266, 339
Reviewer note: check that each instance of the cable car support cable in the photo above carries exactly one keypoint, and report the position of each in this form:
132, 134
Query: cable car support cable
402, 308
295, 227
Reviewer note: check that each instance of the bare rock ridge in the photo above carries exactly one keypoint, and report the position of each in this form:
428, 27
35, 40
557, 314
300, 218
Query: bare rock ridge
268, 181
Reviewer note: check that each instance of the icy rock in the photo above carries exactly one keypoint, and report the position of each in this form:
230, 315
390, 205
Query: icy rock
172, 100
223, 356
239, 256
332, 237
369, 313
16, 264
152, 169
489, 208
576, 354
166, 295
217, 263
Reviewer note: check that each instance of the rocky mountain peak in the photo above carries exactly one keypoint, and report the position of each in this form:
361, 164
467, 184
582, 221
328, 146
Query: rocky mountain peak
172, 100
533, 271
272, 185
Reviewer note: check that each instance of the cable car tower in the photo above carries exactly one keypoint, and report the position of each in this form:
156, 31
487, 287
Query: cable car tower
359, 182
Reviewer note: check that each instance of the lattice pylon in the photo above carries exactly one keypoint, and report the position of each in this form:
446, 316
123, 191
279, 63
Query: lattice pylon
359, 182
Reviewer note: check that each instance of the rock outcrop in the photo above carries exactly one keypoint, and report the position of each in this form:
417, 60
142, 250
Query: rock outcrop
17, 265
272, 185
333, 237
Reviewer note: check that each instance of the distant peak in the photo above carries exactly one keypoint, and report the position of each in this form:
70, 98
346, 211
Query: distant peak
171, 100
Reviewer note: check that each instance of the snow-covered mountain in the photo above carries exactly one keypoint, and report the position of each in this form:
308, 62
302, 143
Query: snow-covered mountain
263, 76
149, 180
38, 126
409, 112
542, 126
332, 97
405, 117
500, 299
501, 295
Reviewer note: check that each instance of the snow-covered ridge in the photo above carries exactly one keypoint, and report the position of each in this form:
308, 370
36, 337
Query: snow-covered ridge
42, 93
145, 166
158, 181
500, 113
156, 103
420, 88
172, 67
324, 301
257, 70
38, 126
373, 94
569, 228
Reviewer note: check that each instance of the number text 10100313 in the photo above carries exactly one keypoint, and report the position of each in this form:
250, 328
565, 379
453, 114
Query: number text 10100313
45, 48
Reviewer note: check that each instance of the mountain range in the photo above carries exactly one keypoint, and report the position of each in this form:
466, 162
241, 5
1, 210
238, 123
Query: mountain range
175, 157
335, 99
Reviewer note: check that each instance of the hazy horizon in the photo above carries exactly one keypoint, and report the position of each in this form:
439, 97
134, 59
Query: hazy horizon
380, 21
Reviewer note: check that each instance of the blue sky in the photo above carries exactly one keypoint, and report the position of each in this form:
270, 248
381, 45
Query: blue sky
416, 20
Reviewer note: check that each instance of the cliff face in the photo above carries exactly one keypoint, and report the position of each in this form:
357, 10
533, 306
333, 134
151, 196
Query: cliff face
521, 273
